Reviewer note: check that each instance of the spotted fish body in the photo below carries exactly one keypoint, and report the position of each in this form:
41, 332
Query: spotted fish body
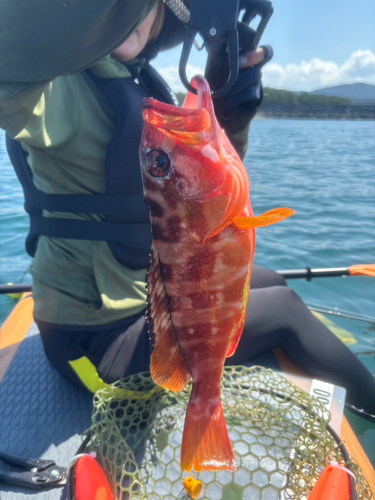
202, 254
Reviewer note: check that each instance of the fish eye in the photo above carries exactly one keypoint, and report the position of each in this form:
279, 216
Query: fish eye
157, 163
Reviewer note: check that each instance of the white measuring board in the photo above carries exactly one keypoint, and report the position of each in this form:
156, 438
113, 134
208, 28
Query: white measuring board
332, 397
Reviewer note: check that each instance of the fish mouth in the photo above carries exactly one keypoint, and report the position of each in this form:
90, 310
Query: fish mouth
193, 123
201, 100
179, 123
162, 107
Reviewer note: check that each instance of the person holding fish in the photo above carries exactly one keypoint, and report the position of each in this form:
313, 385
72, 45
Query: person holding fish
71, 90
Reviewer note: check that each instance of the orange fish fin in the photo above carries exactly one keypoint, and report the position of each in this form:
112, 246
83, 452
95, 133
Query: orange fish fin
272, 217
168, 367
205, 443
233, 344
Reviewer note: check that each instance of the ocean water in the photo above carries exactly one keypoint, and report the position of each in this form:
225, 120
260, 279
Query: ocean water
322, 169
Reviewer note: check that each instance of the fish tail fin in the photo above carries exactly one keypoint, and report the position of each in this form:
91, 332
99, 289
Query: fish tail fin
205, 443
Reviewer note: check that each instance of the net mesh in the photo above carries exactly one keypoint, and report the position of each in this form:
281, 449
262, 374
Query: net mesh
279, 435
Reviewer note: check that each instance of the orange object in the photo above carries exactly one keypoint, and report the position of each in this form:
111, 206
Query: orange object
333, 484
363, 269
193, 487
90, 481
18, 322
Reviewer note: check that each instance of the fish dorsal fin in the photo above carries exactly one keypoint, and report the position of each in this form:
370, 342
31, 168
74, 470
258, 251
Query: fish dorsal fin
168, 366
267, 219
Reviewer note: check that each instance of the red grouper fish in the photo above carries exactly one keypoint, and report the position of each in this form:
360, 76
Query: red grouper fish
202, 253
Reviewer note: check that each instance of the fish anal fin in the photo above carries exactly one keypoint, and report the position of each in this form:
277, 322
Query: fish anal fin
267, 219
168, 366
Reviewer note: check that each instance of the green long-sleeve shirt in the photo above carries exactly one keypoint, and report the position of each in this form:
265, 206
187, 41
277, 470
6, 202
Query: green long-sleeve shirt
65, 126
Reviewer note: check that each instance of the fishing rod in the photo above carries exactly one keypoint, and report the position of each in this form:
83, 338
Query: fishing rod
340, 313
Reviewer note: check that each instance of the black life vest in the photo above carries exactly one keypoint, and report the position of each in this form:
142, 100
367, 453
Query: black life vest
126, 227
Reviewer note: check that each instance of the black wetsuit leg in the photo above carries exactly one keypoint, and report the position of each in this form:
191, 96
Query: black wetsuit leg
277, 317
262, 278
116, 351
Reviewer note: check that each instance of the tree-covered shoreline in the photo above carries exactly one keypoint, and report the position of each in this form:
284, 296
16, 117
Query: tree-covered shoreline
285, 104
286, 97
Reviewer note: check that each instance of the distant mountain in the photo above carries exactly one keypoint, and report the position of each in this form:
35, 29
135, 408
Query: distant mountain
354, 91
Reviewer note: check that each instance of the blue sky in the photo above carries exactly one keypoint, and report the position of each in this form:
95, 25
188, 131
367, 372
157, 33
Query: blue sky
316, 43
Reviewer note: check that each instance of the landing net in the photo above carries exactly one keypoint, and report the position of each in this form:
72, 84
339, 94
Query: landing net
279, 435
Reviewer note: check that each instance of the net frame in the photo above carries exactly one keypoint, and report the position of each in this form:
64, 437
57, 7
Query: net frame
280, 434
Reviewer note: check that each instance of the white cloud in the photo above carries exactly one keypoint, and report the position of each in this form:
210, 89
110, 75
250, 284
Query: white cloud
307, 75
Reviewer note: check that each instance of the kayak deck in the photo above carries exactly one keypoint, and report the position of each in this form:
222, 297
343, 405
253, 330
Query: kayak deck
44, 416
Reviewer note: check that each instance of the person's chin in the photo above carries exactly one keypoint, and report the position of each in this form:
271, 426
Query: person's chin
123, 56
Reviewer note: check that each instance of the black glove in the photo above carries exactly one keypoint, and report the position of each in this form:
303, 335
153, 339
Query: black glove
247, 92
235, 110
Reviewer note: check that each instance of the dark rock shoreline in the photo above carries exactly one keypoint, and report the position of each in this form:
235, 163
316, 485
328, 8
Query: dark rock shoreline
317, 112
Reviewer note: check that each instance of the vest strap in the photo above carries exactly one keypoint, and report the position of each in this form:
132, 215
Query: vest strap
92, 230
115, 205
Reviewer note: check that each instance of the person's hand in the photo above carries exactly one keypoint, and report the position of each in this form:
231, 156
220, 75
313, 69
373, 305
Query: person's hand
247, 91
235, 110
254, 57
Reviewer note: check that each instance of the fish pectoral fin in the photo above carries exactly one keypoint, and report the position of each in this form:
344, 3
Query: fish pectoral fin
168, 366
267, 219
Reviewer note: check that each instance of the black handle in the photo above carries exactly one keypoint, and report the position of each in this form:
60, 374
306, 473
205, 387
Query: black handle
217, 22
52, 478
26, 463
18, 288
